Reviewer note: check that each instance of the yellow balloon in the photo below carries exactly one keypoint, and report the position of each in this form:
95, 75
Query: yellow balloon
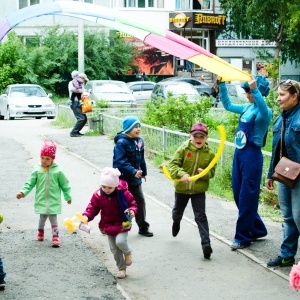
212, 163
81, 218
70, 224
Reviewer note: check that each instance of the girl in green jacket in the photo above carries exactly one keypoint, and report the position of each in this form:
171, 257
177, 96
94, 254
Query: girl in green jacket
50, 181
191, 158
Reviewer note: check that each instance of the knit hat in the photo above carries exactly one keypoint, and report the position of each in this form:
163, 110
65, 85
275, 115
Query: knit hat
49, 149
262, 85
129, 123
75, 73
110, 177
199, 128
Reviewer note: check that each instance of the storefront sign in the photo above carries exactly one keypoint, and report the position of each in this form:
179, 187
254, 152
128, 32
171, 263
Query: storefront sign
244, 43
180, 20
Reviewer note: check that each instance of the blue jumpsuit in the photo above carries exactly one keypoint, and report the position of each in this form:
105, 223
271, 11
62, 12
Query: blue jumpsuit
247, 166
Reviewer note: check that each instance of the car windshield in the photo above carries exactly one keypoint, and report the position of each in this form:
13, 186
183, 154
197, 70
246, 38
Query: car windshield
180, 89
111, 88
27, 91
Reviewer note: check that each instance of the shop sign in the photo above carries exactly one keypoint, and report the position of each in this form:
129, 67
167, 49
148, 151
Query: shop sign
244, 43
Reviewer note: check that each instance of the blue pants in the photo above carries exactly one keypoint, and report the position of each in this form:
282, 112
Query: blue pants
246, 178
81, 118
2, 273
290, 209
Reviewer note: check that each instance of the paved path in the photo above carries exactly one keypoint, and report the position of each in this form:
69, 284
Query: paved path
164, 267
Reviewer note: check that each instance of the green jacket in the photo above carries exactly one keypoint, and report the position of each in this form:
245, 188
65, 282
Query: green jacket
49, 185
186, 160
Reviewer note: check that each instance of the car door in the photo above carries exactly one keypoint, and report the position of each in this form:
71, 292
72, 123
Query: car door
137, 92
3, 103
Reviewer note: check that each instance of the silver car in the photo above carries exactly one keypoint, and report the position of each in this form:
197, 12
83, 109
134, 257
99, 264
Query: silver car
141, 90
114, 91
176, 88
26, 100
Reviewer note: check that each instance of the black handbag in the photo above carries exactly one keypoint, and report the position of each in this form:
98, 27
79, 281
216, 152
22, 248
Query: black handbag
286, 171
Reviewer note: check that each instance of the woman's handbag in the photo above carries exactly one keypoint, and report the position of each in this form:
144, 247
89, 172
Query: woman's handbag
286, 171
86, 103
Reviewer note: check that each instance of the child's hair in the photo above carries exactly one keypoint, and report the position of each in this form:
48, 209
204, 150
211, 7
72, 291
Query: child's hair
49, 149
110, 177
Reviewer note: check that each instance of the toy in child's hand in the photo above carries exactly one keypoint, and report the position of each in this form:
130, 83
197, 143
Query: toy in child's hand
71, 225
295, 277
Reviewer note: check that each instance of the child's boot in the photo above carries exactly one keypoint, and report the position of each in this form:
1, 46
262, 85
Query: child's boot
55, 238
128, 259
40, 236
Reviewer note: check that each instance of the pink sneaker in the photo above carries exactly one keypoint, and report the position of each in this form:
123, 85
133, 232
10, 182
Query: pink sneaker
40, 236
55, 242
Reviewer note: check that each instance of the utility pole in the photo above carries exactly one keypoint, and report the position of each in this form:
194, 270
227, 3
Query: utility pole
81, 45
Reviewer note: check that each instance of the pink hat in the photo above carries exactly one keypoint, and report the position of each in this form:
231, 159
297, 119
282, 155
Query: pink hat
49, 149
110, 177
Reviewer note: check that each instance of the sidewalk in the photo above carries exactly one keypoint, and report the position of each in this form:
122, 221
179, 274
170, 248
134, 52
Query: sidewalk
164, 267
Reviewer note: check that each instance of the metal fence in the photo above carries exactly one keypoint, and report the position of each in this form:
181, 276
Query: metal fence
159, 140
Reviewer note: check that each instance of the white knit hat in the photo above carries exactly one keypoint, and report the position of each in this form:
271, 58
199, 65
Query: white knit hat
110, 177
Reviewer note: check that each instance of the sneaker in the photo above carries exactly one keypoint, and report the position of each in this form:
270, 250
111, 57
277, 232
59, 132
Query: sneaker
121, 274
207, 251
40, 236
75, 135
281, 262
175, 228
2, 284
236, 246
55, 242
128, 259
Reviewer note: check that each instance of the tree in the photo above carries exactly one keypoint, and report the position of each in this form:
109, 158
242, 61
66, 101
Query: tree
272, 20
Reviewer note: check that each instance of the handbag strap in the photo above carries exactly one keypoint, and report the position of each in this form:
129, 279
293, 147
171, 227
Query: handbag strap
281, 137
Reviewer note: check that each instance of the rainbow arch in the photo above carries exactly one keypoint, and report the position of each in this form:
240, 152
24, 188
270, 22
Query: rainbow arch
159, 38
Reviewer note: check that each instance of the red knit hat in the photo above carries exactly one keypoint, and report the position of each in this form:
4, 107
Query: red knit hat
49, 149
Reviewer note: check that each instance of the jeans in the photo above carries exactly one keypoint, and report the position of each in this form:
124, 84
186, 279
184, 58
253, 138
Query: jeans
289, 201
140, 217
198, 205
2, 273
81, 118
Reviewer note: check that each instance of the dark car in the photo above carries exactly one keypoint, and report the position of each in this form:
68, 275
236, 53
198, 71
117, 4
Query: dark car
203, 88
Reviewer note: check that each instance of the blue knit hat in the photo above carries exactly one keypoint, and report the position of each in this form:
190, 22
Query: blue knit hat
262, 85
129, 123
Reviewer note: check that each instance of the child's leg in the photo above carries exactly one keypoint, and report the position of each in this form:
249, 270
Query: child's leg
55, 231
181, 201
2, 275
122, 244
117, 253
42, 221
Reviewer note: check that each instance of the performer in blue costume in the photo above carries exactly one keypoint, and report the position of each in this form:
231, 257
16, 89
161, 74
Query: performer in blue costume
254, 121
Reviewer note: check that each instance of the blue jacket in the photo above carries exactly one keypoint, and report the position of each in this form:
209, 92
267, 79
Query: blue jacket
129, 158
291, 137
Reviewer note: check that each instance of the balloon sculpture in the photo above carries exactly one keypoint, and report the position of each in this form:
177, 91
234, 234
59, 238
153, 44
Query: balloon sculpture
71, 224
212, 163
295, 277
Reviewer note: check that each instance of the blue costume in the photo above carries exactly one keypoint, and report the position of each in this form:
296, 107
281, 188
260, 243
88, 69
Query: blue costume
248, 163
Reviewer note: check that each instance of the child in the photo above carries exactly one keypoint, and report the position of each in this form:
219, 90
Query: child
114, 201
49, 180
77, 83
2, 273
129, 159
192, 157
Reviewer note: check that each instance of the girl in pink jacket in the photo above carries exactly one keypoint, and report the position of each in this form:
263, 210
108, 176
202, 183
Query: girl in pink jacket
116, 207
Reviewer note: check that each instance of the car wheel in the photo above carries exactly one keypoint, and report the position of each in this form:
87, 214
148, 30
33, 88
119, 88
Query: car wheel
1, 117
8, 117
38, 118
50, 118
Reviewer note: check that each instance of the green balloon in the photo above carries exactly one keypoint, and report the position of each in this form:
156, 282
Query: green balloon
1, 218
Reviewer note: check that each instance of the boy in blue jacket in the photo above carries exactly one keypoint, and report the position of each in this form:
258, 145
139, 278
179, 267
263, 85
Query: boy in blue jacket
129, 159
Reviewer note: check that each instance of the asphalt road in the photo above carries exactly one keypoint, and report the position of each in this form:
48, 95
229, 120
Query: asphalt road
164, 267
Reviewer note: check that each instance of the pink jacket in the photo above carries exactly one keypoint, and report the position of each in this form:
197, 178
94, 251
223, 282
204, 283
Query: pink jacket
111, 219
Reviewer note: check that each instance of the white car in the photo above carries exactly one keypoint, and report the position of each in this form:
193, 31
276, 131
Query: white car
26, 100
114, 91
141, 90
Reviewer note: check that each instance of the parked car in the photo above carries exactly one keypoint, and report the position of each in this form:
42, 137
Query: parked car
113, 91
141, 90
203, 88
236, 93
26, 100
163, 88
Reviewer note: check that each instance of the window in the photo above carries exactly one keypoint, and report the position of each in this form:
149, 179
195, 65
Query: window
141, 3
86, 1
183, 4
193, 4
25, 3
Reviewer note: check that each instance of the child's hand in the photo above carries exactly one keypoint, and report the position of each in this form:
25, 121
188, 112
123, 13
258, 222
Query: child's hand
138, 174
185, 178
20, 195
199, 170
130, 212
69, 202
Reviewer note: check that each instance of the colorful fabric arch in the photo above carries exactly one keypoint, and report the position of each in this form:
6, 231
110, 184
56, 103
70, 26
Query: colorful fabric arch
159, 38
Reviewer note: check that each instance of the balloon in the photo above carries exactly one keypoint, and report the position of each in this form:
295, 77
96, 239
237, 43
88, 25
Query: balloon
212, 163
295, 277
71, 224
159, 38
